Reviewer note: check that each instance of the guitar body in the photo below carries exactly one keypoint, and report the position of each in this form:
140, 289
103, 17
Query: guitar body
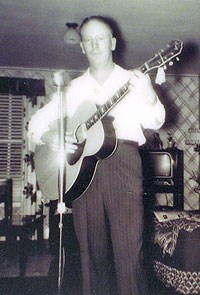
100, 143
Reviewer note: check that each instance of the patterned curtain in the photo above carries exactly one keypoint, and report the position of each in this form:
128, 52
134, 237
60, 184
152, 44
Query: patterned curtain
32, 201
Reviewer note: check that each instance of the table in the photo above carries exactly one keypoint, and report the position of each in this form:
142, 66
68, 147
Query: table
23, 226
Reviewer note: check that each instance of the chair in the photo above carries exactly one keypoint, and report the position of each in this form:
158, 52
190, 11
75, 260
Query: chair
6, 199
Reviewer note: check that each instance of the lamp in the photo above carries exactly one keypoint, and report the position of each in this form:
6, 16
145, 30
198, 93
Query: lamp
72, 36
193, 138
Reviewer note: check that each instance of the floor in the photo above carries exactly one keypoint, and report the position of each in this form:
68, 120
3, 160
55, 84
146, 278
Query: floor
41, 275
42, 270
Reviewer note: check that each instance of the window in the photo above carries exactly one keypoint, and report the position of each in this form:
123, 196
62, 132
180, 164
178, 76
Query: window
11, 141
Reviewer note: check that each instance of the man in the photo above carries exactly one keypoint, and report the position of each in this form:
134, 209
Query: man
108, 217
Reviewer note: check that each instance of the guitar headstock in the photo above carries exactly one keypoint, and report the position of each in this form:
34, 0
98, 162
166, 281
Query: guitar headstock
164, 56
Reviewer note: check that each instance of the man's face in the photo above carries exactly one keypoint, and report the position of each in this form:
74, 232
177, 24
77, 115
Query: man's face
97, 42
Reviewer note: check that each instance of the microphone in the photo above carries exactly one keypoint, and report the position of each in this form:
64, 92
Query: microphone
61, 78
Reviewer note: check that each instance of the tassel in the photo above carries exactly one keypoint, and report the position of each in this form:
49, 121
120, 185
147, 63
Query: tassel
160, 76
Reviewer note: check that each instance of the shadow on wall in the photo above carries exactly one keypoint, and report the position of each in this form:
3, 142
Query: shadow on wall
187, 58
120, 46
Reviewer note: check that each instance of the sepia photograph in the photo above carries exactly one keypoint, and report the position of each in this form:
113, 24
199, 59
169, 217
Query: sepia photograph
100, 147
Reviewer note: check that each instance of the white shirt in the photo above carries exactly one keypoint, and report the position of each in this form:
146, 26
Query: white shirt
130, 114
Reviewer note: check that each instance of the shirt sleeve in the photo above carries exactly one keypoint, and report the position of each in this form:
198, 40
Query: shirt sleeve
153, 115
41, 120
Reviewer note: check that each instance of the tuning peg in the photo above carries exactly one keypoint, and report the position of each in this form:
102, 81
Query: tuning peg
171, 63
164, 67
177, 58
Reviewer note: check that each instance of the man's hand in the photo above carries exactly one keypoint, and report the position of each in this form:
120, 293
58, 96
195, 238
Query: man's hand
70, 140
70, 144
51, 139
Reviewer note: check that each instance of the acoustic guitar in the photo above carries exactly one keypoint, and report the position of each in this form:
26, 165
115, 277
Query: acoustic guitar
95, 137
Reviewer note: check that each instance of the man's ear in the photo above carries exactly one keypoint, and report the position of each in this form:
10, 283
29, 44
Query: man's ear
114, 41
82, 48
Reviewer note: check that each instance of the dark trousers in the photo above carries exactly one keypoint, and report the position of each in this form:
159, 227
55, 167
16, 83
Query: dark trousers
108, 220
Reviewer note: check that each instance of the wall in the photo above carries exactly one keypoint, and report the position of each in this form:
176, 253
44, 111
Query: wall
180, 95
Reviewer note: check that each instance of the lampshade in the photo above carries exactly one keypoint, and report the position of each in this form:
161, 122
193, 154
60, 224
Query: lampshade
71, 36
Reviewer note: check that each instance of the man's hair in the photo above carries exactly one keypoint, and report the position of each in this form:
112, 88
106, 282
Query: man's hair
100, 19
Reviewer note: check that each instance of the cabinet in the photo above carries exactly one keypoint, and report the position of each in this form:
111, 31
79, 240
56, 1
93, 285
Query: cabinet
163, 173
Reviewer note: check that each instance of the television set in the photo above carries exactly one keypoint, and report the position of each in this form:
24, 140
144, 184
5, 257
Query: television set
160, 165
163, 167
163, 173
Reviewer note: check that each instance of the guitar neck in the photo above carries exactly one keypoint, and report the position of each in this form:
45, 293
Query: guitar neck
110, 103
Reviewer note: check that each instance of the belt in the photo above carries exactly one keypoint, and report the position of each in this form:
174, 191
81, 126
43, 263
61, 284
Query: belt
129, 142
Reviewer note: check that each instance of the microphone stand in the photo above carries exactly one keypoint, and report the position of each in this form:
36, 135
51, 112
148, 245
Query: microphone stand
60, 82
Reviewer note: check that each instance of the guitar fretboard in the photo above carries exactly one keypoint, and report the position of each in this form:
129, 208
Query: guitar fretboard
107, 106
